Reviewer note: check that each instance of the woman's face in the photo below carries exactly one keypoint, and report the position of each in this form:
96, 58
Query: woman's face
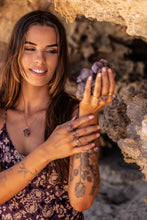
40, 55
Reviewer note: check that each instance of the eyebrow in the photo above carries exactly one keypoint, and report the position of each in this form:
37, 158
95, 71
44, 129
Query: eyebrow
51, 45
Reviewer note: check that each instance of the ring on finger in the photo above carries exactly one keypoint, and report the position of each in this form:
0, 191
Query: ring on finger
104, 98
78, 143
99, 99
75, 136
94, 96
69, 127
110, 94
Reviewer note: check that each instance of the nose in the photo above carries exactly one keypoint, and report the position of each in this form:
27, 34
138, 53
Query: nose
39, 58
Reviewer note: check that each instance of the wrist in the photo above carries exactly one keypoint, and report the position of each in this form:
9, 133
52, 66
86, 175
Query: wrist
43, 154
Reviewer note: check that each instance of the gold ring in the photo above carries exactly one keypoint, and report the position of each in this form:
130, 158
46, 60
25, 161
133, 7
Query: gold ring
110, 94
94, 97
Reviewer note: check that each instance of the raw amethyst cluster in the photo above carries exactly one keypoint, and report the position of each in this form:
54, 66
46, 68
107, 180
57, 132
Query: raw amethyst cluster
85, 73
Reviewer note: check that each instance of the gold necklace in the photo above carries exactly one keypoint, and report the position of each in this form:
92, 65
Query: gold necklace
27, 130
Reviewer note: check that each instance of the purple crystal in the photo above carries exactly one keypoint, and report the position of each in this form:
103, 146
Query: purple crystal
85, 73
105, 63
79, 79
96, 67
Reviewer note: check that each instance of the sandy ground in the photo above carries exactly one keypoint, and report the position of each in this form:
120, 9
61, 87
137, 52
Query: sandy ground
122, 191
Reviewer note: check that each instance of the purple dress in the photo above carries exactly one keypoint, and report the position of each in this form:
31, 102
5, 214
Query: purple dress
43, 198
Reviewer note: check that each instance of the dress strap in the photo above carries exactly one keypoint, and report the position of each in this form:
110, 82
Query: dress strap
5, 116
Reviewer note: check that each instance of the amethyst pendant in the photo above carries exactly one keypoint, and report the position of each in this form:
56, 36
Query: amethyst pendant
26, 132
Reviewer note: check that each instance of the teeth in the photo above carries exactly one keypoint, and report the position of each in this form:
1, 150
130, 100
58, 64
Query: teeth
39, 71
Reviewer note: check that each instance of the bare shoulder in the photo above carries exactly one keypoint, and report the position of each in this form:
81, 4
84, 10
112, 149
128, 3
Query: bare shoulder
2, 117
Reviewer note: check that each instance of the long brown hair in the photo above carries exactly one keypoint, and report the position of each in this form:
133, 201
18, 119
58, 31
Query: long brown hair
61, 106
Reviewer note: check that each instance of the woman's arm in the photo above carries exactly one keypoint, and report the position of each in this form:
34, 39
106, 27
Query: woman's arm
20, 175
84, 178
59, 145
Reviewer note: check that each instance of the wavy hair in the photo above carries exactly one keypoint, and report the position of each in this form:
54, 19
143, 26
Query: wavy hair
61, 106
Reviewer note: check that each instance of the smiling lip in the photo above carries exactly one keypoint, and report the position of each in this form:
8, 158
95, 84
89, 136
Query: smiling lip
38, 72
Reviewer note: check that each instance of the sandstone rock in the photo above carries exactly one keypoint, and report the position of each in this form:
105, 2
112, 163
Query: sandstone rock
132, 14
134, 147
125, 122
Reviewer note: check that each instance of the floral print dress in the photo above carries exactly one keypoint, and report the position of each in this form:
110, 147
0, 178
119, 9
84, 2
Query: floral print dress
43, 198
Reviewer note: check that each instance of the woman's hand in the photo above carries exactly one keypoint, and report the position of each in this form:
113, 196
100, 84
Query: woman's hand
71, 138
103, 92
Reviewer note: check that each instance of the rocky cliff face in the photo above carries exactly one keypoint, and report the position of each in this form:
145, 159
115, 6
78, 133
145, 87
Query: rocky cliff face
129, 13
115, 30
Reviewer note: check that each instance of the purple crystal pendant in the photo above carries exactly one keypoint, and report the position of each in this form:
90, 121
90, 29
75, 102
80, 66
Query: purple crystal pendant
26, 132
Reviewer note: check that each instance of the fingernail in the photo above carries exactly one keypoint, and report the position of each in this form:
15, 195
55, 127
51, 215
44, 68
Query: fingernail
93, 144
91, 116
99, 74
90, 77
96, 149
104, 69
114, 96
109, 70
74, 118
98, 126
97, 135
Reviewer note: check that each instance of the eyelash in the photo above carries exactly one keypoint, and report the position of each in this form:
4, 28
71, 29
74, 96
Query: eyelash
51, 51
48, 51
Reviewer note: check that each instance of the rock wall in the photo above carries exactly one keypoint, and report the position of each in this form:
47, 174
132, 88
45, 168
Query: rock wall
111, 30
129, 13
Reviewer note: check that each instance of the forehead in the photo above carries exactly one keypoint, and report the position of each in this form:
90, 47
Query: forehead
41, 35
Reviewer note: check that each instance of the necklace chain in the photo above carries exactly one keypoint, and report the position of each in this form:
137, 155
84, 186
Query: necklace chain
26, 131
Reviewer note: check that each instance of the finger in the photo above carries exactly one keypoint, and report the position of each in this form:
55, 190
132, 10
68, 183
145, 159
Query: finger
85, 148
97, 86
71, 125
85, 131
87, 92
86, 139
111, 81
105, 82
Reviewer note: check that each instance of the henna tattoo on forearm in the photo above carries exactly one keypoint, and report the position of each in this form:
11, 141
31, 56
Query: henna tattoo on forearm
25, 171
88, 171
3, 177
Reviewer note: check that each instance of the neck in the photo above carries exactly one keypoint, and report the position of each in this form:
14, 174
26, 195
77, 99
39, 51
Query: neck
32, 100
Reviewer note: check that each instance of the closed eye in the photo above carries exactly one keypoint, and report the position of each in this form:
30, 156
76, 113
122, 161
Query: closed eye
51, 51
29, 48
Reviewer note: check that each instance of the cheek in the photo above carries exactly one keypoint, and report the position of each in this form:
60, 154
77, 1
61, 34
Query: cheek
24, 61
53, 63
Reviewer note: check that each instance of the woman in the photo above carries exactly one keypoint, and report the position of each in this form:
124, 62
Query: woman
48, 145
